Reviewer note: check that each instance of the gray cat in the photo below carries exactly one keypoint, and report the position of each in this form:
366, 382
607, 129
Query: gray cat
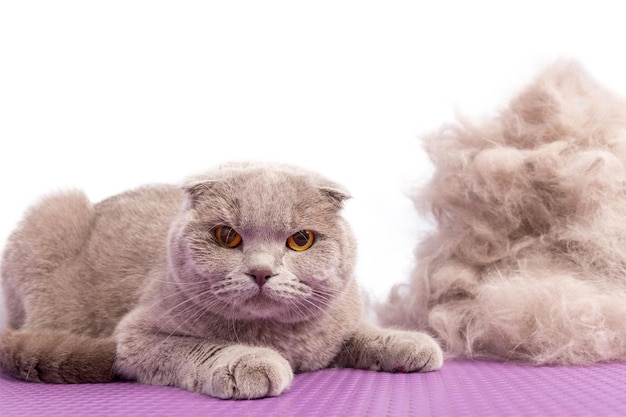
226, 286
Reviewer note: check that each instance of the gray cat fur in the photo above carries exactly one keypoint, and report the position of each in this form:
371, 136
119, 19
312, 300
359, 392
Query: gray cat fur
136, 287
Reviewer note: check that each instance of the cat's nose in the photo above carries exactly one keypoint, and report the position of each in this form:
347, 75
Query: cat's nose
260, 276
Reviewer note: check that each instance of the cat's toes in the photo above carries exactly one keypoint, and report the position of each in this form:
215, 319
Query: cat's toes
257, 373
412, 352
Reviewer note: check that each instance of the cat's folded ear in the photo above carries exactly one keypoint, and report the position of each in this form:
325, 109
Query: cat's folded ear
335, 193
195, 189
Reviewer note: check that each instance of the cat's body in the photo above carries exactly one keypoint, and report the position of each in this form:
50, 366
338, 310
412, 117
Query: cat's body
214, 287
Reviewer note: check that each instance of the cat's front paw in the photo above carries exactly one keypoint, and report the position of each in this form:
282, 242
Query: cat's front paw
250, 373
409, 352
390, 351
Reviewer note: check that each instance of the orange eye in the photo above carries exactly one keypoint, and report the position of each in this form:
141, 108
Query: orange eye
301, 240
227, 237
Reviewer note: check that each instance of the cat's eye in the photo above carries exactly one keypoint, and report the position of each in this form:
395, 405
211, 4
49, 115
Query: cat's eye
301, 240
227, 237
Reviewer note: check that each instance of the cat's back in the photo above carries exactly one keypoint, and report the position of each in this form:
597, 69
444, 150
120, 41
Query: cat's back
66, 225
77, 258
132, 225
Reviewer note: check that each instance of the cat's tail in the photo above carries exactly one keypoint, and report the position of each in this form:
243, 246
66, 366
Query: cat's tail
54, 229
57, 357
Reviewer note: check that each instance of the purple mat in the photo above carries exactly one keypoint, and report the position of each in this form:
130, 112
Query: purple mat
461, 388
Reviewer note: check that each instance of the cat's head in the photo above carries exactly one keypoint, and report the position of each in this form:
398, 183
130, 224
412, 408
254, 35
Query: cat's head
260, 241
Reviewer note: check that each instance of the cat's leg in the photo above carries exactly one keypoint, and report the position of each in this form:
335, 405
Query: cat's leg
217, 369
390, 350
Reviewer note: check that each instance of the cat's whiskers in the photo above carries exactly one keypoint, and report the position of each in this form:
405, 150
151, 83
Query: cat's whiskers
175, 331
312, 307
321, 303
191, 301
297, 303
176, 293
190, 310
194, 318
234, 324
305, 311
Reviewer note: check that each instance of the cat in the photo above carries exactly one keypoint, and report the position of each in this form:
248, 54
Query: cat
527, 259
225, 286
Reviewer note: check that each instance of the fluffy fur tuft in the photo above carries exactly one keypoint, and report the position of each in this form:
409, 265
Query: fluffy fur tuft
528, 259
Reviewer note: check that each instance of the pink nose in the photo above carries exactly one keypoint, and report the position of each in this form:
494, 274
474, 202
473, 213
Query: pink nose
260, 276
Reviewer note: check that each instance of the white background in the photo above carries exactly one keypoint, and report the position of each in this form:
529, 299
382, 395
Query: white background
109, 95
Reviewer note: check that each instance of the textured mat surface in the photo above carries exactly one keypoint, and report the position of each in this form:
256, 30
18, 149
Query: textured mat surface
461, 388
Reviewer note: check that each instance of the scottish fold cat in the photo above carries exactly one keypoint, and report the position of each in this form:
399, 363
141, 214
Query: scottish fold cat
225, 286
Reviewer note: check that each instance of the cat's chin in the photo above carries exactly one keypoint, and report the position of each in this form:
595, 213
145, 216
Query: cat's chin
264, 306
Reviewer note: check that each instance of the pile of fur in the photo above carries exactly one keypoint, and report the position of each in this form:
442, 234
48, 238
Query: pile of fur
528, 259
